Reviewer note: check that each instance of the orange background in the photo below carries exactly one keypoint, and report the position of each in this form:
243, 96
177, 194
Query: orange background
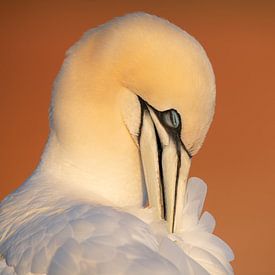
237, 158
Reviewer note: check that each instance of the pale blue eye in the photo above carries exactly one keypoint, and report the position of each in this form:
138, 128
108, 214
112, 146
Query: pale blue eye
172, 118
175, 118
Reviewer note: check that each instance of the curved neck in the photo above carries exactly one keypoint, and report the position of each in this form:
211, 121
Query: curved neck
105, 176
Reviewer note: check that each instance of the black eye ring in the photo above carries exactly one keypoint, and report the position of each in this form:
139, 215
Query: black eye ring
171, 118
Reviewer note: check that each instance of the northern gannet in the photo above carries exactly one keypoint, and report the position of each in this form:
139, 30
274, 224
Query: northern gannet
131, 106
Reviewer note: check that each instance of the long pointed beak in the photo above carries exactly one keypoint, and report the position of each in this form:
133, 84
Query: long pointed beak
166, 165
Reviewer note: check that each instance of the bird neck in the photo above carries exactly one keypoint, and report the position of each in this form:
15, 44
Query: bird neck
109, 175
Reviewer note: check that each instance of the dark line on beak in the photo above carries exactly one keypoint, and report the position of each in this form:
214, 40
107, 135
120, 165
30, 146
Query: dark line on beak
144, 109
177, 184
175, 135
162, 191
185, 149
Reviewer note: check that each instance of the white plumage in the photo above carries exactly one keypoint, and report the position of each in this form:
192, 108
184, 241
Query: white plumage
85, 210
73, 237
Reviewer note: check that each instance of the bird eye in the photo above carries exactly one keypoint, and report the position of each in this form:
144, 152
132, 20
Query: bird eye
172, 118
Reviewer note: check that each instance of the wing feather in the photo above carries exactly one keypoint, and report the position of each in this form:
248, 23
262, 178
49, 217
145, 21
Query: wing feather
80, 238
84, 240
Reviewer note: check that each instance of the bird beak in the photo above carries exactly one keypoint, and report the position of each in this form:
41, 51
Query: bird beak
166, 163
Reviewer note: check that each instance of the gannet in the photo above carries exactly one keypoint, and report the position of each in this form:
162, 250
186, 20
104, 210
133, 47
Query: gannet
130, 107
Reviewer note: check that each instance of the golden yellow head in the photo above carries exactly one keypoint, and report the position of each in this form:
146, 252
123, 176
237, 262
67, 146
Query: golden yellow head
109, 119
150, 57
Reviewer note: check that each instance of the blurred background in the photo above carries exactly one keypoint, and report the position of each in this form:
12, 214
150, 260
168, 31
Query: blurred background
237, 159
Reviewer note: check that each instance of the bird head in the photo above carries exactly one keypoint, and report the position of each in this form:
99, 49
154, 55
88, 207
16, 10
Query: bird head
131, 106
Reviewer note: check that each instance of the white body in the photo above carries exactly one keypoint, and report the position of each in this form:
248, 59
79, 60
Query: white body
94, 204
43, 232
